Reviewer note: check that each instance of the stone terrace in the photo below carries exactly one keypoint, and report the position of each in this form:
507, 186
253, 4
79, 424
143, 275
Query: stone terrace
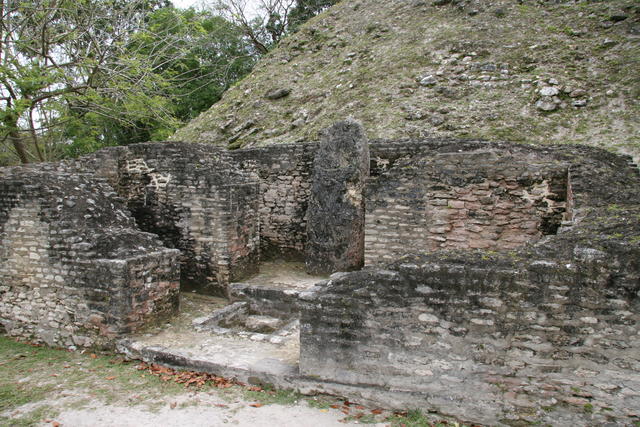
501, 285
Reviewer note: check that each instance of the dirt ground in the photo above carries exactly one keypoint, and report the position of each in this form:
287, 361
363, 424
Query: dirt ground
41, 386
194, 409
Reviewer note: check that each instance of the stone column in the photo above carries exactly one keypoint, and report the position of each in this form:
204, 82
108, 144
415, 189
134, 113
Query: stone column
335, 215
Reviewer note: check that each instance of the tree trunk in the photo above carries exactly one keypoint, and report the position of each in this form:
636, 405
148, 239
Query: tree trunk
14, 136
16, 140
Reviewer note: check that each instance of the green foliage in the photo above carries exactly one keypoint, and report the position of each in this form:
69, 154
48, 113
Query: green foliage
307, 9
414, 418
31, 419
14, 395
185, 61
79, 75
212, 56
76, 76
30, 374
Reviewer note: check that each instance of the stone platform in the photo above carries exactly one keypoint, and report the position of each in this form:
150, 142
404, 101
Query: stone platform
254, 337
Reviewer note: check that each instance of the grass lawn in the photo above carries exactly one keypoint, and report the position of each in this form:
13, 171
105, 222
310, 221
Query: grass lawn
38, 384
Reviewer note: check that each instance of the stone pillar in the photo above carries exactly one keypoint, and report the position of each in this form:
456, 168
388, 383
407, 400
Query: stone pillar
335, 215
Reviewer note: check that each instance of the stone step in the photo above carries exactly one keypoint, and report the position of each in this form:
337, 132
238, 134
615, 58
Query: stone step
268, 301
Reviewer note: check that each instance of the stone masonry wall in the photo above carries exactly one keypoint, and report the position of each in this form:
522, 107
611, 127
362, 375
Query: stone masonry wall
486, 338
73, 269
284, 173
469, 199
547, 333
196, 200
243, 231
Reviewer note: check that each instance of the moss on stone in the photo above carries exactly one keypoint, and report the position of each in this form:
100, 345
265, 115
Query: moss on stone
364, 59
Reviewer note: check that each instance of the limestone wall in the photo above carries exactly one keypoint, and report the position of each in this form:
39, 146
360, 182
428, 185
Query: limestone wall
196, 199
469, 199
487, 338
548, 332
73, 269
284, 173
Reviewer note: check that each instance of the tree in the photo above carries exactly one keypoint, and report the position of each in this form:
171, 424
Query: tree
204, 55
76, 75
264, 26
269, 21
193, 56
307, 9
63, 55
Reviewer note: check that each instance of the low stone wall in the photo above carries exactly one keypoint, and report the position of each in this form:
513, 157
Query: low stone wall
492, 338
73, 269
549, 332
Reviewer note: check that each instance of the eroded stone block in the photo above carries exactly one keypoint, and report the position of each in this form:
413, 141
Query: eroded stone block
335, 216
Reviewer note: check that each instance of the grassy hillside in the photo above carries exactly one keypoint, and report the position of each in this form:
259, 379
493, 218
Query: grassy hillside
529, 71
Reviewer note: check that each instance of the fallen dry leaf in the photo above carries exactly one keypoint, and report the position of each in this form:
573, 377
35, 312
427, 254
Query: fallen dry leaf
55, 424
110, 378
376, 411
172, 405
93, 356
256, 405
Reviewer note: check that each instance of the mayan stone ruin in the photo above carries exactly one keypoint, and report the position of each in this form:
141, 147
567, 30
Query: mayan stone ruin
494, 282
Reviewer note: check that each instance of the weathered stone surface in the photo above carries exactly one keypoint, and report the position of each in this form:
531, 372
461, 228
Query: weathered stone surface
428, 81
549, 91
197, 200
74, 271
478, 198
481, 335
546, 105
335, 216
495, 337
263, 324
520, 305
284, 174
278, 93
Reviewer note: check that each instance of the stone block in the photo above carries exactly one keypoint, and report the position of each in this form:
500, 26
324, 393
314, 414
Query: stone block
335, 214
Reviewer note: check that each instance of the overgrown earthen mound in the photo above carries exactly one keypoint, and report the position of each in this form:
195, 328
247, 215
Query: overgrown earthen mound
528, 71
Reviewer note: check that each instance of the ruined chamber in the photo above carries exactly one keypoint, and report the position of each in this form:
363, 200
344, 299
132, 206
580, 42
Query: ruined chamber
502, 286
498, 278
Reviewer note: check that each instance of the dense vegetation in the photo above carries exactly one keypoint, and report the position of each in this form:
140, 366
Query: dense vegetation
77, 75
